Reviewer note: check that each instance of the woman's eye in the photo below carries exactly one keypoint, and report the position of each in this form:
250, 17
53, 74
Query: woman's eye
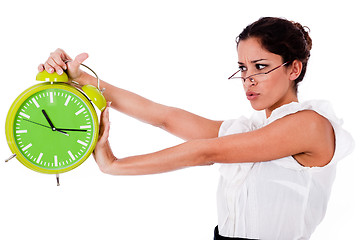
242, 68
260, 66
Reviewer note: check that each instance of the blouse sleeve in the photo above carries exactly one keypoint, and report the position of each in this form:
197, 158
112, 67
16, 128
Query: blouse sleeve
234, 126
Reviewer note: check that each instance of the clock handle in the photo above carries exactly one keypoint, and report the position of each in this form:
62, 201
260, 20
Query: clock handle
97, 77
11, 157
95, 94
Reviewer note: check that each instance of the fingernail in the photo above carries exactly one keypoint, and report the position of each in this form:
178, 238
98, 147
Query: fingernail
60, 71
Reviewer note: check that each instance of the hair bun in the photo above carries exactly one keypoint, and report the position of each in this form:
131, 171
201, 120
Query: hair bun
305, 31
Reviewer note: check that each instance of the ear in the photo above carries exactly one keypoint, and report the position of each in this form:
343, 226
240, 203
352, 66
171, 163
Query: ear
295, 69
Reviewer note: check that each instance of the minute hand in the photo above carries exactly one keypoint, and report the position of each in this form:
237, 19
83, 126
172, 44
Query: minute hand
73, 130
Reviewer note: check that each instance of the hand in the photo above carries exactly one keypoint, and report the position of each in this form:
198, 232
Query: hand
56, 62
103, 154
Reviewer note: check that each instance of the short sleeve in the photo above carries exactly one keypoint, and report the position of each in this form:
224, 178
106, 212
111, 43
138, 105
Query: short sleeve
234, 126
344, 141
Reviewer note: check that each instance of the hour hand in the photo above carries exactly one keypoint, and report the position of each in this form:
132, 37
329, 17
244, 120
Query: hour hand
51, 124
48, 120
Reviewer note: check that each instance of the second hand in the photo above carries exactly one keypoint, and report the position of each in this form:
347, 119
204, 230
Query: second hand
45, 126
62, 129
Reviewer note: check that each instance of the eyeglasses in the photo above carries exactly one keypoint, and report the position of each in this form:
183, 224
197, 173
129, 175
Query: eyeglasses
258, 77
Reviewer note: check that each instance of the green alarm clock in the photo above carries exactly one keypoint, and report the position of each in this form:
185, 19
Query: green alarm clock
52, 127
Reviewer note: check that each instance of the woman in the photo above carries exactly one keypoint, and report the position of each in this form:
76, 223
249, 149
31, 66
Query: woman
277, 167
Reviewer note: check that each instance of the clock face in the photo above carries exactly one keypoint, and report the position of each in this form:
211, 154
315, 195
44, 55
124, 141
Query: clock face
55, 128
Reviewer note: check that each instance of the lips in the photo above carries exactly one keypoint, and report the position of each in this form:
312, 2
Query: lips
252, 95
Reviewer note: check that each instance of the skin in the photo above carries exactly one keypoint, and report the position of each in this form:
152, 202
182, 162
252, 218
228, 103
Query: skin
305, 135
277, 89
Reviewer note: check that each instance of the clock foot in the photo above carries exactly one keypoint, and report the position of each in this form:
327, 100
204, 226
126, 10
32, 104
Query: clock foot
11, 157
57, 179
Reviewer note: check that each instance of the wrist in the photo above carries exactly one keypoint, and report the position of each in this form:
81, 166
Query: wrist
108, 167
85, 79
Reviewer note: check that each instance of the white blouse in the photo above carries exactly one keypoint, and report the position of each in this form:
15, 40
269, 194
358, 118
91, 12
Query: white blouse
277, 199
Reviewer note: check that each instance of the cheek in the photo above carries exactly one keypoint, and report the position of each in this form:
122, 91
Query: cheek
272, 91
276, 85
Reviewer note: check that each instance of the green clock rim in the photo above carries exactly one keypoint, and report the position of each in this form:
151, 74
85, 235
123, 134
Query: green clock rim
15, 107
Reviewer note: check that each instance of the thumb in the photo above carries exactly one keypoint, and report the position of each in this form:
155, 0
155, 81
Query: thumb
78, 60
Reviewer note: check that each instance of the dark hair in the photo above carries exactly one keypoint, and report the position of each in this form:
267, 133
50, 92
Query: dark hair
288, 39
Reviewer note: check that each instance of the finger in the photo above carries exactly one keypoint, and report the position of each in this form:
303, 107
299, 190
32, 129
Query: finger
59, 61
61, 53
48, 68
105, 114
104, 136
104, 122
41, 67
78, 60
104, 126
106, 118
53, 66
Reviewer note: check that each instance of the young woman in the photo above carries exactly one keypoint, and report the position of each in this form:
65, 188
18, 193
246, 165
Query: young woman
277, 167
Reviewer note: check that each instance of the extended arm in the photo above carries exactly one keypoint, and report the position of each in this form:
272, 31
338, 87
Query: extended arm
305, 135
174, 120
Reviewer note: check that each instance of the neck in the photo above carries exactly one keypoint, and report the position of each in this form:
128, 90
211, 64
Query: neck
288, 98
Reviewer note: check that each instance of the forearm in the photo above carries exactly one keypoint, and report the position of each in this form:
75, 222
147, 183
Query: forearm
188, 154
128, 102
176, 121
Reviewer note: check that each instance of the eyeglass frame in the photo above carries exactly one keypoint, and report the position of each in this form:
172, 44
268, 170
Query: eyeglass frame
256, 74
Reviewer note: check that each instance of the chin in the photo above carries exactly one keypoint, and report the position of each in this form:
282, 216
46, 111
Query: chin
258, 106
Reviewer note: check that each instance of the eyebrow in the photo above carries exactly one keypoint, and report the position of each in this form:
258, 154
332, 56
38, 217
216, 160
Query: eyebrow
254, 61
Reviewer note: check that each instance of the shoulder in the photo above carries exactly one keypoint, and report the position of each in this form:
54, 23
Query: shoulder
315, 124
311, 120
318, 133
305, 135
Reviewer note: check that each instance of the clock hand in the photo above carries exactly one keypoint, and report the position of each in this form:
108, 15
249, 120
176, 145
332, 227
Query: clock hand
48, 120
65, 133
60, 129
74, 130
51, 124
36, 123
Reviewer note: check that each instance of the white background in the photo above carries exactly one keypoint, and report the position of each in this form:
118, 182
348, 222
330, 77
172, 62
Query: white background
178, 53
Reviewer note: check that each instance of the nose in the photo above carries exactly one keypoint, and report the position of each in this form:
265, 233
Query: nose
249, 81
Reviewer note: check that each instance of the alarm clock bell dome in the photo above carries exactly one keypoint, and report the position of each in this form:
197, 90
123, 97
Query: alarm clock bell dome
92, 92
95, 96
51, 77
